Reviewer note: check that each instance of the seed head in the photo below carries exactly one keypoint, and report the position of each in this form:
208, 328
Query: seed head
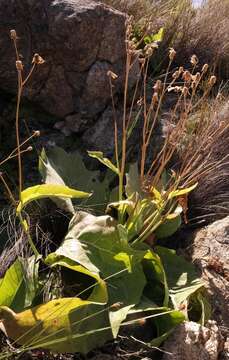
29, 148
112, 75
185, 91
205, 68
141, 61
187, 76
19, 65
140, 102
172, 54
212, 80
194, 60
176, 74
181, 70
37, 59
37, 133
13, 34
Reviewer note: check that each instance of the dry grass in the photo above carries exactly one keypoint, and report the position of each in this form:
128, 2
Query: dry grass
210, 200
203, 31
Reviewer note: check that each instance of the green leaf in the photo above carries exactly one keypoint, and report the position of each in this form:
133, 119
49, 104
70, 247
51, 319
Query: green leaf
94, 242
48, 190
60, 325
99, 156
56, 165
133, 183
181, 192
99, 290
168, 227
156, 288
31, 278
11, 285
183, 281
159, 35
165, 325
51, 176
162, 319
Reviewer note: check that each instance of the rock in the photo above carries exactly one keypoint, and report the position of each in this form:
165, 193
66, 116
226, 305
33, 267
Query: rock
191, 341
209, 251
80, 41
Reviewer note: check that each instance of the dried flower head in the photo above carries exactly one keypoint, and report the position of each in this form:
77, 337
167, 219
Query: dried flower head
141, 61
194, 60
205, 68
112, 75
13, 34
140, 102
19, 65
172, 54
37, 59
181, 70
29, 148
185, 91
175, 88
37, 133
187, 76
175, 74
212, 80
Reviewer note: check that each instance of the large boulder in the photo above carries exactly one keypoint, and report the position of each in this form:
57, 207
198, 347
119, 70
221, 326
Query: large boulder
191, 341
80, 41
209, 252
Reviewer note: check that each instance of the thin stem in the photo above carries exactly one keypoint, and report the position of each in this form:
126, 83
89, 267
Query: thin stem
17, 133
8, 190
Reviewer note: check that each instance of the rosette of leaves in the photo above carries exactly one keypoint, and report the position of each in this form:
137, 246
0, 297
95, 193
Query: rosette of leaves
120, 278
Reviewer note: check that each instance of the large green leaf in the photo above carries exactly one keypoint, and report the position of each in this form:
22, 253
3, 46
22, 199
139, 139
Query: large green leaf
156, 288
184, 284
99, 290
48, 190
168, 227
32, 285
60, 325
162, 319
51, 176
94, 243
12, 285
57, 166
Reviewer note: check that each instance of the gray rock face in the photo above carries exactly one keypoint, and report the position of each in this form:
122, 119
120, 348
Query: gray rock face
80, 41
191, 341
210, 253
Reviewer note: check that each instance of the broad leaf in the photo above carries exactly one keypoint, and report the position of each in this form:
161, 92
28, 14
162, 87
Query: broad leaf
31, 278
51, 176
56, 165
156, 288
59, 325
12, 287
161, 319
168, 227
94, 242
98, 288
183, 281
48, 190
133, 183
